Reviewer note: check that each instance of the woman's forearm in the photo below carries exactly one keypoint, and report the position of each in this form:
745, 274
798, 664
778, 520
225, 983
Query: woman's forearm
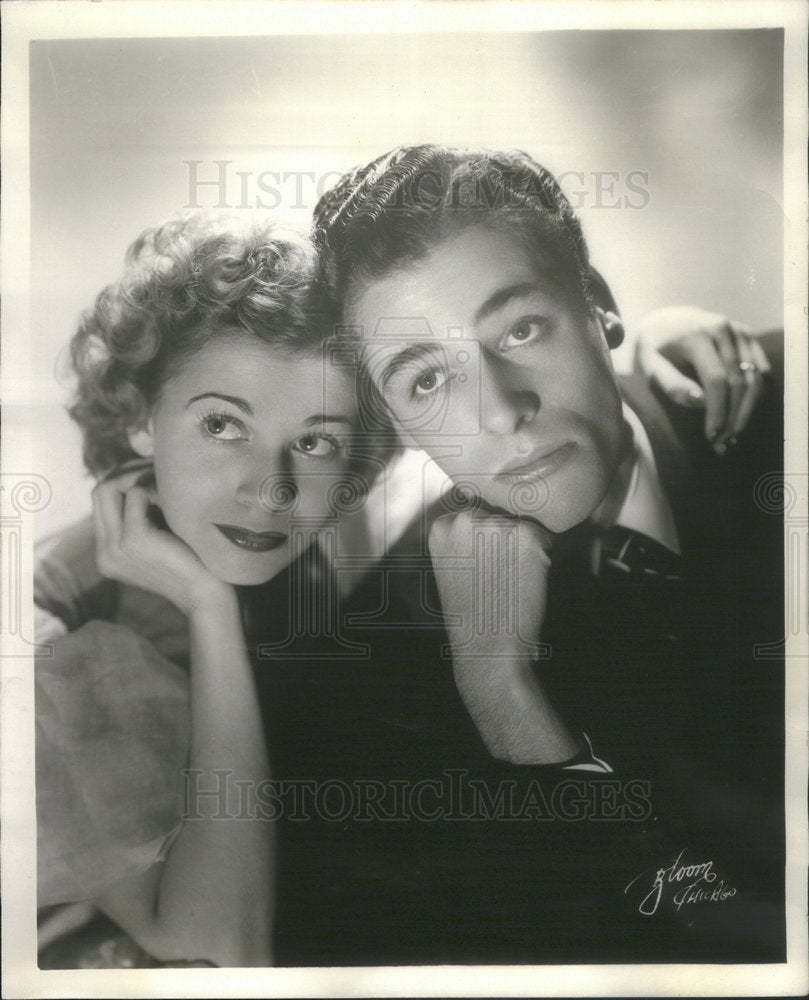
216, 890
212, 897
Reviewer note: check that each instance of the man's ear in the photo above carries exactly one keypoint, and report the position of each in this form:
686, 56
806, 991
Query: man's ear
142, 441
612, 326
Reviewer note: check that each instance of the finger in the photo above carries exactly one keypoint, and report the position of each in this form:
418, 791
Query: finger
442, 526
759, 358
123, 481
678, 387
107, 515
499, 519
460, 497
108, 504
754, 385
98, 521
535, 530
135, 514
131, 469
712, 376
727, 346
484, 511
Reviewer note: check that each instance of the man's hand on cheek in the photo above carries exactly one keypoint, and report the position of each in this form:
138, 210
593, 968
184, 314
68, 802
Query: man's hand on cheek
491, 572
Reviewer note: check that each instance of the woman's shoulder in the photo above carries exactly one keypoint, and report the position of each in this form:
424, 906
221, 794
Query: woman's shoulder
70, 591
68, 585
112, 721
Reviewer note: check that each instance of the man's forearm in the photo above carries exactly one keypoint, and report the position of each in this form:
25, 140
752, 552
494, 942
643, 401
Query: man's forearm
512, 711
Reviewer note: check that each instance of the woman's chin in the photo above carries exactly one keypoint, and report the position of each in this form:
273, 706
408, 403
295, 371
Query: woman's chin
247, 575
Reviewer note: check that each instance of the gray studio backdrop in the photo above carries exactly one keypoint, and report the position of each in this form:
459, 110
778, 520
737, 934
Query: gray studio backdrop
669, 142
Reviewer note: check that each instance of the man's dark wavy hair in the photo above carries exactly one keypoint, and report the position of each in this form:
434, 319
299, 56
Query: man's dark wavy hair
391, 213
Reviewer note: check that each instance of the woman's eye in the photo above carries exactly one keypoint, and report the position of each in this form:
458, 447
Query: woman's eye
317, 445
429, 381
223, 427
523, 332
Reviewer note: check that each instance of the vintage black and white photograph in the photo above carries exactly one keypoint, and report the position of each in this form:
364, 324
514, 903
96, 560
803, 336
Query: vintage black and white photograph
404, 490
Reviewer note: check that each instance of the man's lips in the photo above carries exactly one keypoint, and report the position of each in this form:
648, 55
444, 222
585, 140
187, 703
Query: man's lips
252, 541
537, 466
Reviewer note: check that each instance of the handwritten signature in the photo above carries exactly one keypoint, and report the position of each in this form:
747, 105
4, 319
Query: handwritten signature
693, 883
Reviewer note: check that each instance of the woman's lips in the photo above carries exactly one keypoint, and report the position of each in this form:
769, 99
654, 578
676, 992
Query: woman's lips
537, 467
252, 541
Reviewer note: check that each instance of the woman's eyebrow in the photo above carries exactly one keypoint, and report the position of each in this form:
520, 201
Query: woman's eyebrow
237, 401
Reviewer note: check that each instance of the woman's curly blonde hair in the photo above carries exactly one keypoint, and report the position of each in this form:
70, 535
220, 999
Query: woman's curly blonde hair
184, 282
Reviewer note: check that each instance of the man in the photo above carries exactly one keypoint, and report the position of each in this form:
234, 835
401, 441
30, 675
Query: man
603, 583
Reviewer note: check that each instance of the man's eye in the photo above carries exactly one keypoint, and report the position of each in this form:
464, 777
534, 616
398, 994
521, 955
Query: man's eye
223, 427
523, 332
429, 382
317, 445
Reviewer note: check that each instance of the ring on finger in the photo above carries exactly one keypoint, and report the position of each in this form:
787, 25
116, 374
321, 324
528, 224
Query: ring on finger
747, 366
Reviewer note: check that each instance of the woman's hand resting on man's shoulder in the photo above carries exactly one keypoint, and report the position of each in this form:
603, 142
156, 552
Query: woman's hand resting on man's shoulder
706, 361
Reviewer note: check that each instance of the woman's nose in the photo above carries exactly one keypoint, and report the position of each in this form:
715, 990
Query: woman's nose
265, 481
507, 400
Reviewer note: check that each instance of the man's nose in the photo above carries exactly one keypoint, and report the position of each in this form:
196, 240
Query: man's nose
508, 400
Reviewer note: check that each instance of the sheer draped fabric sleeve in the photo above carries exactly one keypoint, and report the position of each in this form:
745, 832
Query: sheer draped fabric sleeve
112, 732
112, 724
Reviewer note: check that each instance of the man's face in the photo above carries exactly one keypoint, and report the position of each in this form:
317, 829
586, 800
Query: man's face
492, 366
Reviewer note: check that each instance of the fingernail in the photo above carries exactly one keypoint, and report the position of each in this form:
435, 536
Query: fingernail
720, 448
732, 441
695, 397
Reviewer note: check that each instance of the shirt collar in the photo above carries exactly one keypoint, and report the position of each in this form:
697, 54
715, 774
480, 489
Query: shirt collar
645, 507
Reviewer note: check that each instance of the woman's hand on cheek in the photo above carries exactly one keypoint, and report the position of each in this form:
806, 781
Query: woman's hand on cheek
132, 550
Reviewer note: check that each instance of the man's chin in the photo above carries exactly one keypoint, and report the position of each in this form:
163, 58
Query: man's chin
556, 514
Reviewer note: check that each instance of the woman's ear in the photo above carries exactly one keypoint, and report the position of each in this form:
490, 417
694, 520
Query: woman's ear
612, 326
142, 441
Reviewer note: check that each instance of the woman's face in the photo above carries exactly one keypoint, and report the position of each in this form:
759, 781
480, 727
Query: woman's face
248, 441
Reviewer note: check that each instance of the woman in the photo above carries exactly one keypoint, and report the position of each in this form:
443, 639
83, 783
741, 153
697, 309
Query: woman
199, 373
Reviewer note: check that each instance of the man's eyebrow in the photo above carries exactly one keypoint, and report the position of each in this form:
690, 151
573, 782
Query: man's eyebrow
237, 401
413, 352
504, 295
326, 418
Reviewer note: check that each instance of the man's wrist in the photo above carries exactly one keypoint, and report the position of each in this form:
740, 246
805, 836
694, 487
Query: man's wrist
509, 652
